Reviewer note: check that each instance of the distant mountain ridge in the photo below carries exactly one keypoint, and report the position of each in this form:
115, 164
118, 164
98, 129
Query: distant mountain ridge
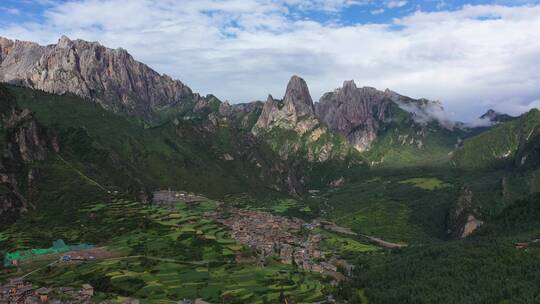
511, 144
495, 116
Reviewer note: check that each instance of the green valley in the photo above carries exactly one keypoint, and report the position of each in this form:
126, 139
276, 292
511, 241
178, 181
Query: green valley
122, 185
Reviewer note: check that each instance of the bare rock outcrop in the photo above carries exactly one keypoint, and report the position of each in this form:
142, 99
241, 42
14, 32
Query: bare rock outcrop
291, 130
112, 78
356, 113
464, 219
25, 144
295, 112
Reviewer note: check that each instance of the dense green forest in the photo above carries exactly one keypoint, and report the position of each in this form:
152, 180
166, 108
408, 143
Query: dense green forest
486, 268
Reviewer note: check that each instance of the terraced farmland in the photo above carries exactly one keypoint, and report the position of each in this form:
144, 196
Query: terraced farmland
170, 253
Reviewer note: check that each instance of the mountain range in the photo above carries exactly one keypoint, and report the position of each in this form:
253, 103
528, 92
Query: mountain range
81, 122
113, 79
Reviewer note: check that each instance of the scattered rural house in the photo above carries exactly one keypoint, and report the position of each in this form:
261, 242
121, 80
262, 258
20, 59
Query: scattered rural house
168, 196
43, 294
87, 290
521, 245
18, 291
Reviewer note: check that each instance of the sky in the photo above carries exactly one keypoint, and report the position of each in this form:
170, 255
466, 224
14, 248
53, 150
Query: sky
470, 55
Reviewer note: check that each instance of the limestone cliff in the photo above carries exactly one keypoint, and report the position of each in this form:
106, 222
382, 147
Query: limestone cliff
24, 144
292, 131
112, 78
295, 112
356, 113
464, 219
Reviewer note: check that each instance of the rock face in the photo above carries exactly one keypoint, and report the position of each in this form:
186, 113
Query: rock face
25, 143
246, 113
356, 113
110, 77
295, 112
290, 128
464, 219
297, 98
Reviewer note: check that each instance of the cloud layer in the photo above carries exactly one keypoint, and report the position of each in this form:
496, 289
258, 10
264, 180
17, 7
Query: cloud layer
473, 58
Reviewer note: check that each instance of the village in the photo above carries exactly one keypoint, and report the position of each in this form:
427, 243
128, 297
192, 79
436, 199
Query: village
289, 240
170, 196
17, 290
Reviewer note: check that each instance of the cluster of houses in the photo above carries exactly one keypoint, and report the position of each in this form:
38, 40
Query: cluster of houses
169, 196
19, 291
276, 236
525, 245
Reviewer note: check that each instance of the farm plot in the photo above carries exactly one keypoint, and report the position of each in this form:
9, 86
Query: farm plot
175, 252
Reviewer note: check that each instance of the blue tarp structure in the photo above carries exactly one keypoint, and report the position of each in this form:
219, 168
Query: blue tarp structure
59, 244
58, 247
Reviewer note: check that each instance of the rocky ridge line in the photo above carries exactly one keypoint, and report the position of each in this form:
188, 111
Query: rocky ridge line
112, 78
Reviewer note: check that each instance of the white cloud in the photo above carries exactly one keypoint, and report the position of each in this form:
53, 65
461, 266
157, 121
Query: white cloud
241, 50
480, 122
328, 5
396, 3
377, 11
428, 112
10, 10
516, 107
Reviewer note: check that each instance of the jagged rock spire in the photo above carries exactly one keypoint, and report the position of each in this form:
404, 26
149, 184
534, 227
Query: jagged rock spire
297, 98
294, 112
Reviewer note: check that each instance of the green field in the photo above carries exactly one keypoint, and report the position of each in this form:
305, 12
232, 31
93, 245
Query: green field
425, 183
170, 254
346, 247
381, 204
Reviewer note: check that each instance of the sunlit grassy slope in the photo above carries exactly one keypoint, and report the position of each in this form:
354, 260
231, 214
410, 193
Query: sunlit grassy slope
503, 146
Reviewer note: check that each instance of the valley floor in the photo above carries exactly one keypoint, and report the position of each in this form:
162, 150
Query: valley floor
178, 251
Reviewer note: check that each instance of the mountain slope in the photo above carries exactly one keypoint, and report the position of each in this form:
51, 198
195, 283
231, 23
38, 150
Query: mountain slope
308, 148
390, 129
23, 143
514, 144
112, 78
98, 153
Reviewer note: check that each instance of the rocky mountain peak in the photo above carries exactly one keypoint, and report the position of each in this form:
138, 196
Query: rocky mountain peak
490, 114
64, 42
297, 98
495, 117
353, 112
349, 86
296, 111
110, 77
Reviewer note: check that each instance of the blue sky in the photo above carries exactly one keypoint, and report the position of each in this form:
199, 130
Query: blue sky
356, 12
470, 55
